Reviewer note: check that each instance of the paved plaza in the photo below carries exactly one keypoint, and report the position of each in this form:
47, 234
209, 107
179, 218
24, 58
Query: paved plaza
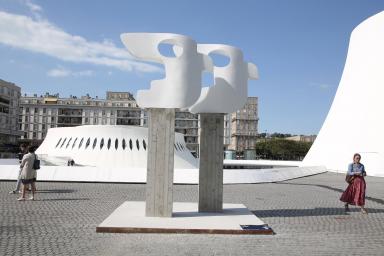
305, 213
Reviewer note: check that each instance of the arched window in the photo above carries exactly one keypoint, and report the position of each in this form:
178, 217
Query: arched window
68, 142
137, 144
144, 145
109, 143
130, 144
94, 143
63, 142
116, 143
81, 142
123, 144
58, 142
102, 143
74, 143
88, 142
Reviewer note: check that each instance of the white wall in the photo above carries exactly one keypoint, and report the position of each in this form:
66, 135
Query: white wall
355, 121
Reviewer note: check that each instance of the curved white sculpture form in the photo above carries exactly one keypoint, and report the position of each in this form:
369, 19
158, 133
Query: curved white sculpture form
354, 123
230, 91
106, 146
182, 83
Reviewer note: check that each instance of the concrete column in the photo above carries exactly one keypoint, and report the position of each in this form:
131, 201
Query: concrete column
161, 139
211, 163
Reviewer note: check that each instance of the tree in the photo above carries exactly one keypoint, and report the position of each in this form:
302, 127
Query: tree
281, 149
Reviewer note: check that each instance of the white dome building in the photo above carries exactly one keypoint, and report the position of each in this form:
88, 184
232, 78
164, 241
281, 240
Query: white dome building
106, 146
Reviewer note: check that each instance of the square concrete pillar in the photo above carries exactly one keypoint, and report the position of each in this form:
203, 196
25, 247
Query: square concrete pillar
161, 139
211, 162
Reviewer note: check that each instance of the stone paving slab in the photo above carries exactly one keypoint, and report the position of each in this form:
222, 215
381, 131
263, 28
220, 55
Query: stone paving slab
305, 214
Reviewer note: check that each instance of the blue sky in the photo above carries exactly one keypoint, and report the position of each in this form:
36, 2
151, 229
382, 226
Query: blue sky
73, 47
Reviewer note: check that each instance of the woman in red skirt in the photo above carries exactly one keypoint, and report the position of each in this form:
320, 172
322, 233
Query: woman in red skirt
355, 192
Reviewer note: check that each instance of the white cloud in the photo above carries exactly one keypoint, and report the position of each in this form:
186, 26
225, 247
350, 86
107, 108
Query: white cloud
32, 6
41, 36
63, 72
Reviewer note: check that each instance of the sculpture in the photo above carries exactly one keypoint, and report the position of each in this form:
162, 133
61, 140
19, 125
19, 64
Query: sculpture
230, 91
181, 88
182, 83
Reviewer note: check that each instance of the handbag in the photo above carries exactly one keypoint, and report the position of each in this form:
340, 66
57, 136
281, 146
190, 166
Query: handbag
349, 178
36, 163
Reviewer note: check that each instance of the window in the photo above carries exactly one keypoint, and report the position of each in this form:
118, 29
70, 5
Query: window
58, 142
44, 110
63, 143
68, 142
137, 145
94, 143
144, 145
88, 142
102, 143
116, 144
109, 143
124, 144
74, 143
130, 144
81, 142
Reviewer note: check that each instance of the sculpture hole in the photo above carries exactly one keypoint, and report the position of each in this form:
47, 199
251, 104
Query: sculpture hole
208, 79
170, 50
219, 60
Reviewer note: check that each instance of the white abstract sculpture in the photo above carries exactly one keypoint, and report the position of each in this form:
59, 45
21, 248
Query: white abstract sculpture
355, 121
230, 91
182, 83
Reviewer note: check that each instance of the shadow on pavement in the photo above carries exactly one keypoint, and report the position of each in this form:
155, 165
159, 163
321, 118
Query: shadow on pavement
310, 212
56, 191
62, 199
376, 200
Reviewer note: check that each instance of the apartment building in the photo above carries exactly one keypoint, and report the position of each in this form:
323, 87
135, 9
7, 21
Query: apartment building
9, 112
240, 127
39, 113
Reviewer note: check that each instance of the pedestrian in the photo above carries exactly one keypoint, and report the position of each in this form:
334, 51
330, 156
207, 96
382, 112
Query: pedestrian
23, 151
355, 192
28, 173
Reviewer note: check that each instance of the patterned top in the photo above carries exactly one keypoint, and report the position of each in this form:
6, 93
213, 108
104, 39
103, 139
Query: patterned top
355, 169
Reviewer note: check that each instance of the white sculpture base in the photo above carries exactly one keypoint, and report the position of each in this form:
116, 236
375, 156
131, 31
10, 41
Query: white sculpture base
130, 218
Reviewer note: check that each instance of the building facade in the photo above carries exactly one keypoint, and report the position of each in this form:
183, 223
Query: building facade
302, 138
241, 127
39, 113
9, 113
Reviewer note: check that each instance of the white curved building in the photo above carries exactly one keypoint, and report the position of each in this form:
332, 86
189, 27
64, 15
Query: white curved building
106, 146
354, 123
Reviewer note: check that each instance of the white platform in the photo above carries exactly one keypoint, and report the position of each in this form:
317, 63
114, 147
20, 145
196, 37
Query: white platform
138, 175
130, 218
